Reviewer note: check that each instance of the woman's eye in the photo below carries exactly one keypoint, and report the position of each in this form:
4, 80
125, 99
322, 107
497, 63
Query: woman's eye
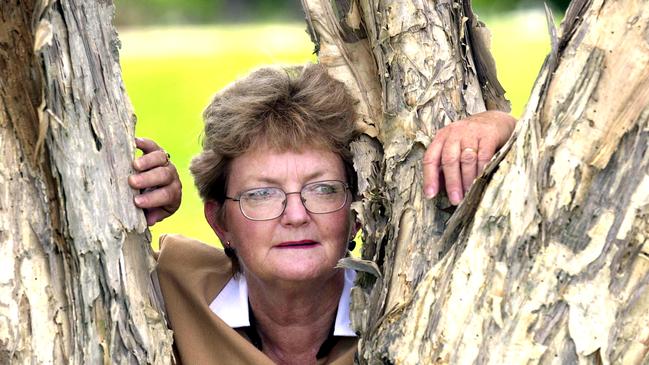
324, 188
259, 194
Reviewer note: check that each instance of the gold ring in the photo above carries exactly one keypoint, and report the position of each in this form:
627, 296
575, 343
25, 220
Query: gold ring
168, 159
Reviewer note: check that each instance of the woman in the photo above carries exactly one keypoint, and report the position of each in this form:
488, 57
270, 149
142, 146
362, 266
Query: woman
276, 178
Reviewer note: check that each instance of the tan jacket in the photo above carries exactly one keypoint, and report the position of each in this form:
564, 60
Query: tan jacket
191, 275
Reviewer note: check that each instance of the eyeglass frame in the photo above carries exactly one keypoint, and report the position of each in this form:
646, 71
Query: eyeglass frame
237, 198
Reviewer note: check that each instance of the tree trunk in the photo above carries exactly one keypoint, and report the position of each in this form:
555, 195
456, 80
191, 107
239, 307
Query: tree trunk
546, 260
75, 273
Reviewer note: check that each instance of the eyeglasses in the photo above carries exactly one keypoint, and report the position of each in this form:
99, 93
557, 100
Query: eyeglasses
266, 203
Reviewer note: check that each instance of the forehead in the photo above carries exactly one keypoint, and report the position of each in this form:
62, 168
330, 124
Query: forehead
258, 166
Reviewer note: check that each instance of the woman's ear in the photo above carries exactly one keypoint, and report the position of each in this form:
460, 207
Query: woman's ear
212, 211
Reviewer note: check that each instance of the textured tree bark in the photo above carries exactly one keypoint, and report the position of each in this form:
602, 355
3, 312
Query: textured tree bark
75, 272
546, 260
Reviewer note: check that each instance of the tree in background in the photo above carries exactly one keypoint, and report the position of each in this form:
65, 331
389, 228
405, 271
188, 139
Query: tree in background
143, 12
508, 5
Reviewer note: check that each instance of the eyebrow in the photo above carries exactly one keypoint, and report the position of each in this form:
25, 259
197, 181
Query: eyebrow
272, 181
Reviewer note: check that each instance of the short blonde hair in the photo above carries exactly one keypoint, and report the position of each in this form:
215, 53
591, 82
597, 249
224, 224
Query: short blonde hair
289, 108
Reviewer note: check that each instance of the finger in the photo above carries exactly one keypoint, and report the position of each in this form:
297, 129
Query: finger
158, 176
469, 165
166, 197
151, 160
486, 150
451, 169
155, 215
146, 145
431, 166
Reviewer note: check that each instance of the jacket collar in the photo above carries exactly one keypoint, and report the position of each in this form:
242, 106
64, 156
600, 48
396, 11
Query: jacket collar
231, 305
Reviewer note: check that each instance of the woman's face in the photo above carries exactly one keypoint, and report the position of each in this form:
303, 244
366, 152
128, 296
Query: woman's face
297, 245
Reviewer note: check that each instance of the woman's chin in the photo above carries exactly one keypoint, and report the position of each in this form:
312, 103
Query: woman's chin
300, 265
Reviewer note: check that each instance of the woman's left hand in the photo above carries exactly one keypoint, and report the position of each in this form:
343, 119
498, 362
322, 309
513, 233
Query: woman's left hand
461, 150
156, 177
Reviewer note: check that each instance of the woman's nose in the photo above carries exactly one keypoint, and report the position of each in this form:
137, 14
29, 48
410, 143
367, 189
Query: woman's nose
295, 213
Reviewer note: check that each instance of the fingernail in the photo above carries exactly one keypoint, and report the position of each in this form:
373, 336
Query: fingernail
455, 198
430, 192
139, 200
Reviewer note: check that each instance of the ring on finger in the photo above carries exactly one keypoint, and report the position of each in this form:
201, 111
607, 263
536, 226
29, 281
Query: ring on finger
469, 150
168, 158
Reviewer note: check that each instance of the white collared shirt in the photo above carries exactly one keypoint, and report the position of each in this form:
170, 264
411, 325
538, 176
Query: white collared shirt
231, 305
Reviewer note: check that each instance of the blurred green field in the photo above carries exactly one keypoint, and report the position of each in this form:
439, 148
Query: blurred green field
171, 74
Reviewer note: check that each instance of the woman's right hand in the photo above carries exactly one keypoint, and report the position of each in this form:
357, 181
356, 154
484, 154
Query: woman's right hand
461, 150
158, 181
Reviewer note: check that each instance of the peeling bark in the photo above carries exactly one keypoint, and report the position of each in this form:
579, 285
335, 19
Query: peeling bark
75, 278
546, 260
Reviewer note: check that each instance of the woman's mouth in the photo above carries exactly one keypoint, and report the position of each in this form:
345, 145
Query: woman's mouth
297, 244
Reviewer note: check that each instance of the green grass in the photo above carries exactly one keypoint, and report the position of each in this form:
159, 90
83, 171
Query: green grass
171, 74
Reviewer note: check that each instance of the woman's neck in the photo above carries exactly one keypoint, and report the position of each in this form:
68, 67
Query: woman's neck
294, 320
